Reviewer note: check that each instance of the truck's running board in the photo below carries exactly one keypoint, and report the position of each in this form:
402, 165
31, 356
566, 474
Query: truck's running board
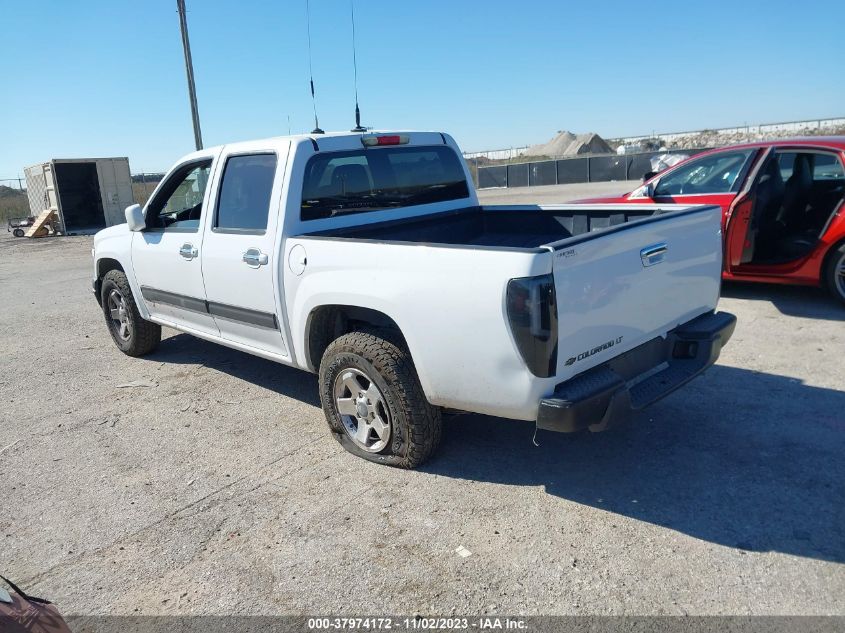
610, 392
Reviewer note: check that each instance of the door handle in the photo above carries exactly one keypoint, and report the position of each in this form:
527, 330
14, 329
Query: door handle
654, 254
188, 251
255, 258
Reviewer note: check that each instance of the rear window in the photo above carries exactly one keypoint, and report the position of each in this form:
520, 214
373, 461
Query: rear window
358, 181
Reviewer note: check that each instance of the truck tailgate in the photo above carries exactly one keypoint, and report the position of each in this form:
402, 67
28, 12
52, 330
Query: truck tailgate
620, 287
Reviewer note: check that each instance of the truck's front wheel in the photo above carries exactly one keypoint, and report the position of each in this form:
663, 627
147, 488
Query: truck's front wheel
131, 333
374, 403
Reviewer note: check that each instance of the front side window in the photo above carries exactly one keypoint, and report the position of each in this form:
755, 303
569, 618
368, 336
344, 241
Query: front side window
373, 179
178, 206
244, 201
717, 173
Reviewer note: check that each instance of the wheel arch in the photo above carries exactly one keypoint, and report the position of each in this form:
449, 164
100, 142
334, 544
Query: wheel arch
104, 266
107, 264
327, 322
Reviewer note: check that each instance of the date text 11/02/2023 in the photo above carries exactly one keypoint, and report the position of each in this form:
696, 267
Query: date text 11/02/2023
417, 623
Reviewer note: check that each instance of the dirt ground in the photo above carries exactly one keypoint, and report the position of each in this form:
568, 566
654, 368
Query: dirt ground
215, 487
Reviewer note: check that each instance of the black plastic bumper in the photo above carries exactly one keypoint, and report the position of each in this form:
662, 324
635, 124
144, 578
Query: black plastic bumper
609, 393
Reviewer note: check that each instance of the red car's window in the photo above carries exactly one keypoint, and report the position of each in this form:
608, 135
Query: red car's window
715, 173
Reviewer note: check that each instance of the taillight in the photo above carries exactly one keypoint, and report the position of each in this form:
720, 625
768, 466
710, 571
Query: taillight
371, 140
532, 313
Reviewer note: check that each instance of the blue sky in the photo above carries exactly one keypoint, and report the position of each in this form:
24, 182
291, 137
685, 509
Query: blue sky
106, 77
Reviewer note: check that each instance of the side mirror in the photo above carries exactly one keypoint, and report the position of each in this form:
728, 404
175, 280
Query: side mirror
135, 218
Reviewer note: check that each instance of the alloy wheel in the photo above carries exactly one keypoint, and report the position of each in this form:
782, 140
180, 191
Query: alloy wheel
119, 314
362, 409
839, 276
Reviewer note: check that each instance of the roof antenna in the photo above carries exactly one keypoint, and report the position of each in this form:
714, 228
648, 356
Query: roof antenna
357, 127
316, 129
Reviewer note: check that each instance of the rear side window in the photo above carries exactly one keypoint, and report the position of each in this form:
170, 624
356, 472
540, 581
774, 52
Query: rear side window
827, 167
244, 200
822, 166
373, 179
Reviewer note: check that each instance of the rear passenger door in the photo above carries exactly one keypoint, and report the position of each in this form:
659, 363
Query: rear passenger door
239, 259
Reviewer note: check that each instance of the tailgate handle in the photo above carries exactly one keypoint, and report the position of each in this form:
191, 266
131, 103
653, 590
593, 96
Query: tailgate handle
654, 254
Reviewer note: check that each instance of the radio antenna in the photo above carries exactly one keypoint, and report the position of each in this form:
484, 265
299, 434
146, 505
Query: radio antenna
316, 129
357, 127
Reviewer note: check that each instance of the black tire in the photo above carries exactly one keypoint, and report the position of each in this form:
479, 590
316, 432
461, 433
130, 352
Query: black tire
139, 336
834, 272
414, 424
18, 232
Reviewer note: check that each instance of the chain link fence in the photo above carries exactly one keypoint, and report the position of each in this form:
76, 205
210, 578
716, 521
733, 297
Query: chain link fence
143, 186
510, 167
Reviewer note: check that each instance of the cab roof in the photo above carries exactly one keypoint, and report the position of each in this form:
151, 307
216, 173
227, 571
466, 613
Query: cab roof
336, 140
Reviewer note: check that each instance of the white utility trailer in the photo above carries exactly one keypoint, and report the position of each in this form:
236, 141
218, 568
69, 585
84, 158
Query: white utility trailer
87, 194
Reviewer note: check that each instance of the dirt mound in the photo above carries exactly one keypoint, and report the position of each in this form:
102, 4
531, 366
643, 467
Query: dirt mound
9, 192
568, 144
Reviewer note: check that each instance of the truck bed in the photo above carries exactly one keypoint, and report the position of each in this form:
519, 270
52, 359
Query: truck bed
512, 227
623, 275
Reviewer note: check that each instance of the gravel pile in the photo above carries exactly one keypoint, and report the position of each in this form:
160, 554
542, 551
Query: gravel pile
568, 144
713, 138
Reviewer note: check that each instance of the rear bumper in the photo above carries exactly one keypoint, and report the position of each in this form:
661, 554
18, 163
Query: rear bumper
607, 394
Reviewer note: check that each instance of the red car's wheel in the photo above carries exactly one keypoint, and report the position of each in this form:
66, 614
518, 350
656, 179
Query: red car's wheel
835, 272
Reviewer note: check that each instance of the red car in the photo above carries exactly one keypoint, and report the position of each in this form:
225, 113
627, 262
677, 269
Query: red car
783, 219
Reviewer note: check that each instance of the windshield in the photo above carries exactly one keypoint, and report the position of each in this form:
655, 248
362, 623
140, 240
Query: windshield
364, 180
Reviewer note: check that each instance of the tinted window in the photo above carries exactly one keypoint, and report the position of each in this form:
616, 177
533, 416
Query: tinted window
178, 205
717, 173
380, 178
823, 166
245, 192
827, 167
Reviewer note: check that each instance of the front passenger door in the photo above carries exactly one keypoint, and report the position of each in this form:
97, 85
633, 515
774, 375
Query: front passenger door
165, 255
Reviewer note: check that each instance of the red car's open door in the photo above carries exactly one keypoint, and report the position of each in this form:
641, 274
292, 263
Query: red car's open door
744, 214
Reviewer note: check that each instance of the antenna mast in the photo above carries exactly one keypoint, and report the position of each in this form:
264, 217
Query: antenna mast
316, 129
357, 127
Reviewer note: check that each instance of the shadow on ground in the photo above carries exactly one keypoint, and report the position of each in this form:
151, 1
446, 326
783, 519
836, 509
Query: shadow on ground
738, 458
184, 349
813, 303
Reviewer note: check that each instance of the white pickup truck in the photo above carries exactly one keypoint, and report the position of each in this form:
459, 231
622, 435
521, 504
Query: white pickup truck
367, 258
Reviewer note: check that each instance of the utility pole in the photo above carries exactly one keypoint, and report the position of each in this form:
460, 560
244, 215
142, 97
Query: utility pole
189, 69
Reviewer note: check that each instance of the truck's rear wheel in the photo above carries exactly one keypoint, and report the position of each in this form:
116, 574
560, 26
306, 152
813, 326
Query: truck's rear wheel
374, 403
132, 334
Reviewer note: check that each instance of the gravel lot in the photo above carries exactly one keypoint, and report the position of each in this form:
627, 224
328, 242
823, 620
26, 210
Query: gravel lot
218, 490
